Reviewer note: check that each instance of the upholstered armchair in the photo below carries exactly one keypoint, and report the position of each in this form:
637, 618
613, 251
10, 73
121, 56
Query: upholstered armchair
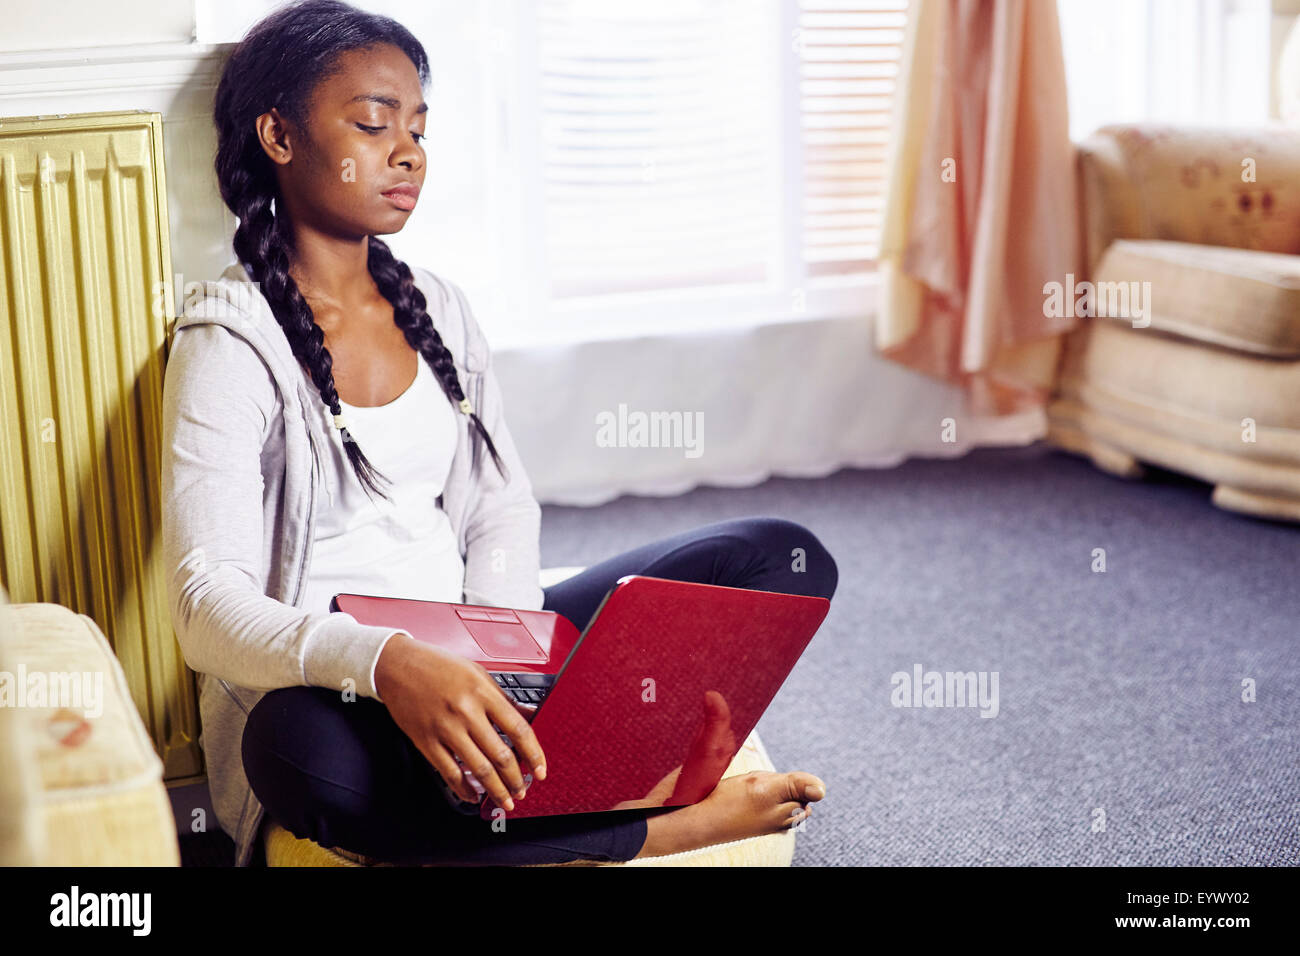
1207, 381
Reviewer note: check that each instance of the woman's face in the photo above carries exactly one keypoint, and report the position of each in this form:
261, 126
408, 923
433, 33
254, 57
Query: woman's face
362, 139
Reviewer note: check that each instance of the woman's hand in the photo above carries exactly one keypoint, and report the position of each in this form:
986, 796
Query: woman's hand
447, 704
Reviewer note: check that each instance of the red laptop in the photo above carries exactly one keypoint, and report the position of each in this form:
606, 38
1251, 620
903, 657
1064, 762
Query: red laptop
650, 703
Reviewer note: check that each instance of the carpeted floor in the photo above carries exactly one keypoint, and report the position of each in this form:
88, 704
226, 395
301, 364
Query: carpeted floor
1121, 736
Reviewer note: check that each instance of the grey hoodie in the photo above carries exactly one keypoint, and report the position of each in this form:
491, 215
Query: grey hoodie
244, 435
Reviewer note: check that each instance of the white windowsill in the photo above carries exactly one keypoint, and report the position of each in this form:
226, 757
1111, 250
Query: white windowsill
642, 317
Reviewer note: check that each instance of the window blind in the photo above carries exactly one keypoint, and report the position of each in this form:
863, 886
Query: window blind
849, 53
659, 144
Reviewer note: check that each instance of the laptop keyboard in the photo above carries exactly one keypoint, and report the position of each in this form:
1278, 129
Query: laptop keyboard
525, 688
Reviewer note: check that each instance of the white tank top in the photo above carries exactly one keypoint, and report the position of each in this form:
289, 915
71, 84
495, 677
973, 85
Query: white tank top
399, 548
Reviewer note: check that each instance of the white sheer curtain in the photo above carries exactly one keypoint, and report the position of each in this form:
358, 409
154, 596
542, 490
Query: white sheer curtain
1170, 61
800, 399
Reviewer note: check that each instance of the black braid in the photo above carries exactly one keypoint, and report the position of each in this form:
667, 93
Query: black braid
409, 312
278, 64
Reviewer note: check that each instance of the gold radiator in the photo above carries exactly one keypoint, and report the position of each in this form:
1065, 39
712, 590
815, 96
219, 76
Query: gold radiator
87, 304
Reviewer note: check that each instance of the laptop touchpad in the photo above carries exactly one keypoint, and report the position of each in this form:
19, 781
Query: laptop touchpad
505, 641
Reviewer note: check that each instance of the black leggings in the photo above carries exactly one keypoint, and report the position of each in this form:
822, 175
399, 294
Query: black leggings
345, 775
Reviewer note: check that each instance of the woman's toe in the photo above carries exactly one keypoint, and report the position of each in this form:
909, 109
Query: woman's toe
804, 787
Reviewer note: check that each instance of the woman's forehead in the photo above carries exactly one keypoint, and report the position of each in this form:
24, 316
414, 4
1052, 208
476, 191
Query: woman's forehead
382, 73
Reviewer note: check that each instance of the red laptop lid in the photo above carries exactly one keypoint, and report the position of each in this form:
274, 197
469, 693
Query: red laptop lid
661, 692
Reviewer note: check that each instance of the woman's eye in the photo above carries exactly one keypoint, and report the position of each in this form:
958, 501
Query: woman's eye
372, 130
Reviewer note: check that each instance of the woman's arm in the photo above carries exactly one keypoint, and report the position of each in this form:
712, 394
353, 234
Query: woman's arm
219, 403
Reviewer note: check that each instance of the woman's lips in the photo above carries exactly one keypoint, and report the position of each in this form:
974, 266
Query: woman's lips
403, 197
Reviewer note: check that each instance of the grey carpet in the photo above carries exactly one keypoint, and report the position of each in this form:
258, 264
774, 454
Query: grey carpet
1118, 690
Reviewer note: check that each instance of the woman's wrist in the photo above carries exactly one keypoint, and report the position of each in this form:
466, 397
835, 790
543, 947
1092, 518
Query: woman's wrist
389, 665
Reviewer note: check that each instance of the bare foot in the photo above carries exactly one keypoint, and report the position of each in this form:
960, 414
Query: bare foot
746, 805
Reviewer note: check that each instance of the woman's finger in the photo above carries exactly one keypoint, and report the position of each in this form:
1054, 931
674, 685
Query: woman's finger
514, 725
449, 770
464, 746
498, 751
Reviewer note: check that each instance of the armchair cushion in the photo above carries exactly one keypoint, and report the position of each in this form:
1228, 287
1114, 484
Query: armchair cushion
1235, 298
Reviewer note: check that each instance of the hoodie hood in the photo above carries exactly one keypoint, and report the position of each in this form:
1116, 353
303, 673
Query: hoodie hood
233, 300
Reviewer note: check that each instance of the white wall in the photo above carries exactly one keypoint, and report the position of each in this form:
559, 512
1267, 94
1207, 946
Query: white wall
35, 25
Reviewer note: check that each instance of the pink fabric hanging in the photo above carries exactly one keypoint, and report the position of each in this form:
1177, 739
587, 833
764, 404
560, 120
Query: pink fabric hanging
965, 256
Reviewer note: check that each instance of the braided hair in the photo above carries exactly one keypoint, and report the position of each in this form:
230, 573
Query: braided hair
278, 64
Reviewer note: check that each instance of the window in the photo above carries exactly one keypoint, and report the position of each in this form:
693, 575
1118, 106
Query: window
702, 162
850, 57
657, 163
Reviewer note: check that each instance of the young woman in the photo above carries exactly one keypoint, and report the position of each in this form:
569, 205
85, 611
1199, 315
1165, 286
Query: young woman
339, 427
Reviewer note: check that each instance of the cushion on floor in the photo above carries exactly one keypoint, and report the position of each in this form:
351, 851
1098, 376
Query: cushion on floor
774, 849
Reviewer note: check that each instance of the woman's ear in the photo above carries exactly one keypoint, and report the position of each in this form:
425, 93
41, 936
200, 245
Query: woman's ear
273, 134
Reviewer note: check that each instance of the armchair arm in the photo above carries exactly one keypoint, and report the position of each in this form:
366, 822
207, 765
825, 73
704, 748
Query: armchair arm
91, 792
1219, 187
22, 838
